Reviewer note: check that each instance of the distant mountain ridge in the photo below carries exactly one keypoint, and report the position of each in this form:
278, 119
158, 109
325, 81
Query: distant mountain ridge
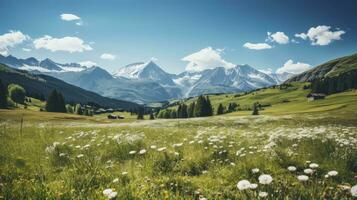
44, 84
145, 82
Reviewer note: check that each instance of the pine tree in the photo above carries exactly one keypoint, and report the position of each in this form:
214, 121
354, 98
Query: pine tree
140, 113
199, 107
191, 110
184, 113
173, 114
208, 107
52, 101
179, 111
151, 116
3, 95
61, 106
55, 102
255, 109
220, 109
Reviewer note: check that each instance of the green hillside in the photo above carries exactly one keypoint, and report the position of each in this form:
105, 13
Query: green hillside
332, 68
289, 100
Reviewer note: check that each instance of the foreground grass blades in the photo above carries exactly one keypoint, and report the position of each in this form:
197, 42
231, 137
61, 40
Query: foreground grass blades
306, 157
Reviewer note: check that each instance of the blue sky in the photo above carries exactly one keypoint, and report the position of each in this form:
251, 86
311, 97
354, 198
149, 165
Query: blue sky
181, 34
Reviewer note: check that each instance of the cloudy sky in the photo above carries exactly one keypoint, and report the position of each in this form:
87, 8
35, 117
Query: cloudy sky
278, 35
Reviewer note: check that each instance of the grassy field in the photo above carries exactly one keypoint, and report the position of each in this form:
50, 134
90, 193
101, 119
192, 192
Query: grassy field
293, 150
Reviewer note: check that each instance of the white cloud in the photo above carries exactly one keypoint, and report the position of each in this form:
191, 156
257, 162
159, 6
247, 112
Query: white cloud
26, 49
69, 44
321, 35
278, 37
11, 39
69, 17
257, 46
88, 63
292, 67
108, 56
72, 17
206, 58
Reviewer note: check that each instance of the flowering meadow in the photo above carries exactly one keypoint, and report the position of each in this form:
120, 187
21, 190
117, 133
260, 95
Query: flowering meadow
227, 157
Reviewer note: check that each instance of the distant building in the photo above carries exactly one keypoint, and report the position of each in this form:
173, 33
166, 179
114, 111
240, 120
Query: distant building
315, 96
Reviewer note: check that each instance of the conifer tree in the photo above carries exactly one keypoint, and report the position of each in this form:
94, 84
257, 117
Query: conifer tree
184, 113
173, 114
151, 116
255, 109
52, 101
191, 110
199, 107
3, 95
220, 109
179, 111
208, 107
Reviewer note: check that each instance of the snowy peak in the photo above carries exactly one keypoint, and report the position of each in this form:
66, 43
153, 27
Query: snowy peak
145, 71
46, 65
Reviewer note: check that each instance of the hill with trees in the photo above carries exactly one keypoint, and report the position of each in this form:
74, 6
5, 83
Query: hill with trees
41, 85
334, 76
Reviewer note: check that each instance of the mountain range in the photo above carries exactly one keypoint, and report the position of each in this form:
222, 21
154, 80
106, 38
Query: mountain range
40, 84
145, 82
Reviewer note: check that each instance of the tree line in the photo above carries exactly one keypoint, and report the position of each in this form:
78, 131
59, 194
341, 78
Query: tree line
335, 84
202, 107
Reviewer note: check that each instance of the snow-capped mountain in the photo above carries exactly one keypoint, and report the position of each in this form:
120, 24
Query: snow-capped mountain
145, 71
144, 82
46, 65
223, 80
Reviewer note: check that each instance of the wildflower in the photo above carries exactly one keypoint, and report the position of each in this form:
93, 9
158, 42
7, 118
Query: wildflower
303, 178
80, 155
132, 152
161, 149
332, 173
308, 171
292, 168
115, 180
106, 192
265, 179
124, 173
153, 147
255, 170
313, 165
253, 186
243, 185
112, 195
62, 154
263, 194
354, 191
142, 151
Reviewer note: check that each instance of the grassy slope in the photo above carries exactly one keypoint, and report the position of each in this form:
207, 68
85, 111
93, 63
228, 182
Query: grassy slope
346, 101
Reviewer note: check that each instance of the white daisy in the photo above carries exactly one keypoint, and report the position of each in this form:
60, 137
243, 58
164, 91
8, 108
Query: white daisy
265, 179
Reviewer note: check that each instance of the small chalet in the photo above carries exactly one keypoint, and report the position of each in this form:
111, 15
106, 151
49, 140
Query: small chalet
315, 96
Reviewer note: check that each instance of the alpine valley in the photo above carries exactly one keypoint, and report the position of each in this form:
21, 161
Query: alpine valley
146, 82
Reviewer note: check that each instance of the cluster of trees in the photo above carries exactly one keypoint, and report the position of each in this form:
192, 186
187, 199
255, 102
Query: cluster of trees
335, 84
202, 107
55, 102
222, 109
80, 110
11, 94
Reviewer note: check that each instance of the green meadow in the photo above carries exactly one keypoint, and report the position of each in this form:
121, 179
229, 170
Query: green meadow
294, 149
